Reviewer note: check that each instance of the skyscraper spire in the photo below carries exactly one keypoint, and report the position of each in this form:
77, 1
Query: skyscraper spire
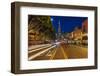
59, 30
59, 27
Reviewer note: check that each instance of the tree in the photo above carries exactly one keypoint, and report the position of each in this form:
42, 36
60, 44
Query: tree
42, 27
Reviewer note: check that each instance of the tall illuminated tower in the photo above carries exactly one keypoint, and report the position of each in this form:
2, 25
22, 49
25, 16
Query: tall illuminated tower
59, 30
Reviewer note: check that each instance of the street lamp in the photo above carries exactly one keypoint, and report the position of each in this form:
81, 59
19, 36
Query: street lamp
51, 19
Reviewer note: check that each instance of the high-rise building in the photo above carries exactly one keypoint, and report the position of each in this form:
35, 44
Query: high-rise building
85, 29
85, 26
59, 31
77, 34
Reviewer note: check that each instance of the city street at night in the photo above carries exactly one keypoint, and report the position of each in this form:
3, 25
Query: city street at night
57, 51
57, 37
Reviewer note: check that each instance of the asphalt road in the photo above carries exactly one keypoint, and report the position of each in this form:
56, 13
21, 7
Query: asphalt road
59, 51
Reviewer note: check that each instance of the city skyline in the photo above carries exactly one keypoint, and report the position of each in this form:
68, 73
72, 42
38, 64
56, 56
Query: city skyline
67, 23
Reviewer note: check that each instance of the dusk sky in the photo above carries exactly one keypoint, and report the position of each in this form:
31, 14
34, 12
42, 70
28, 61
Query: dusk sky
67, 23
